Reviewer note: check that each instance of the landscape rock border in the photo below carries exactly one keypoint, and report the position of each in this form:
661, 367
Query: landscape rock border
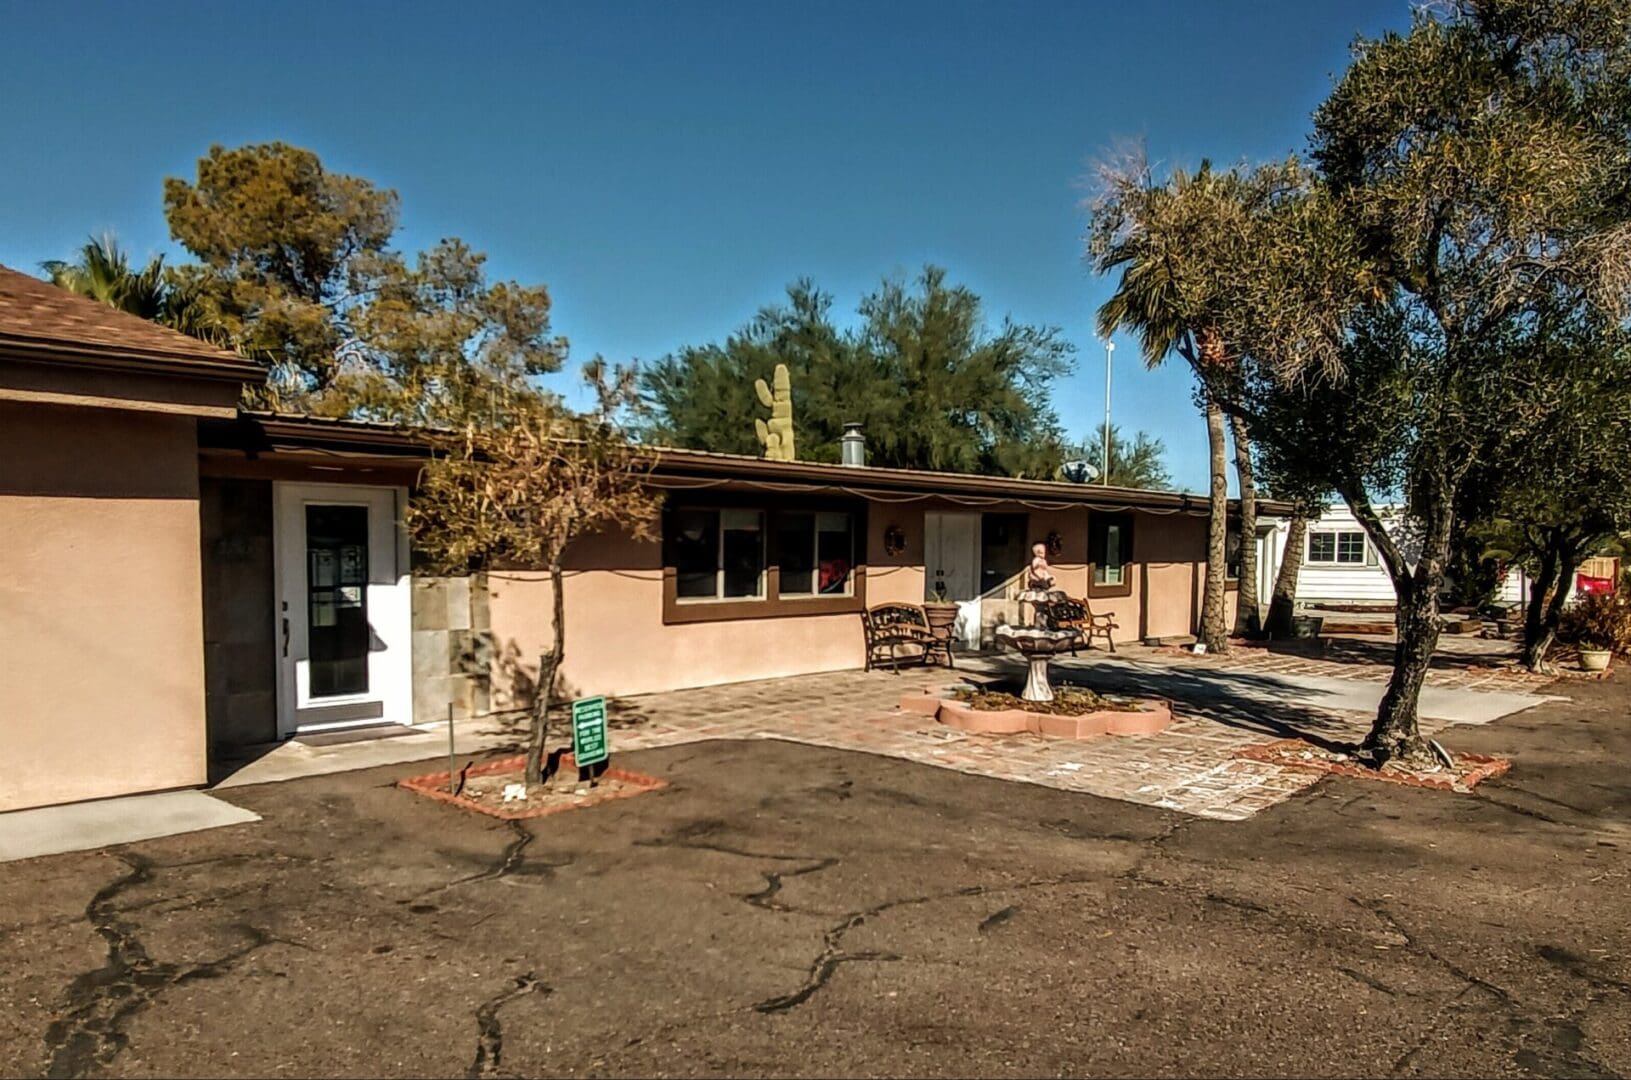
1470, 770
434, 786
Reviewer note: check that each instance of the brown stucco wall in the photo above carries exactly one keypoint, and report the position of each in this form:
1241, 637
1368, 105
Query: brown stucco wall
616, 642
101, 629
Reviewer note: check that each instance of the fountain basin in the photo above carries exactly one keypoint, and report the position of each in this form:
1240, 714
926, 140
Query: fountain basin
1148, 718
1038, 646
1141, 716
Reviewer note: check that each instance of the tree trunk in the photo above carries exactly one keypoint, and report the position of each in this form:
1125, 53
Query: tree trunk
1536, 641
1214, 627
1283, 605
1396, 734
1547, 595
1248, 611
549, 665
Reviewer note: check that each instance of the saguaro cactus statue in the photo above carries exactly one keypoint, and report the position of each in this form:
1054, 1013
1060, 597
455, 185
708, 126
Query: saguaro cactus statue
777, 435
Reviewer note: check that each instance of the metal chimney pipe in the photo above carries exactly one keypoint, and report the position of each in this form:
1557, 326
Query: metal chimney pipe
852, 446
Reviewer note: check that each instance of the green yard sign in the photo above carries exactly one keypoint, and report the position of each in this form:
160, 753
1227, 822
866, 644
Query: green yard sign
590, 746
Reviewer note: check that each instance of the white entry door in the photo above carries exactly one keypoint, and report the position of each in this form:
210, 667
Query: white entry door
344, 618
951, 556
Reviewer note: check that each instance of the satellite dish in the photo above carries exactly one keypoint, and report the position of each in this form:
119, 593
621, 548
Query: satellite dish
1079, 472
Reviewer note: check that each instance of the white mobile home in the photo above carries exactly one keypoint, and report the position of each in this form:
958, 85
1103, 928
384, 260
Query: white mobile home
1341, 566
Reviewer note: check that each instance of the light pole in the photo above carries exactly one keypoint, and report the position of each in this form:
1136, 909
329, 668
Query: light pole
1109, 354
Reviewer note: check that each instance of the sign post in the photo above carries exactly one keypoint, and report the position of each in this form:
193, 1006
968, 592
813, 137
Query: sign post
590, 744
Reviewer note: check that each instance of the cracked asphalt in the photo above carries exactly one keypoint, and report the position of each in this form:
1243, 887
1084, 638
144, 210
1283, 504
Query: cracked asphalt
792, 910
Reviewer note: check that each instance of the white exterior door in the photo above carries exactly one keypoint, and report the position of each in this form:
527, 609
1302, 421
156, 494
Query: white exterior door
344, 618
951, 556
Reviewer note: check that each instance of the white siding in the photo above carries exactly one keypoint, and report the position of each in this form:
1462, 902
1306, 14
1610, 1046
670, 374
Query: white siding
1319, 583
1352, 583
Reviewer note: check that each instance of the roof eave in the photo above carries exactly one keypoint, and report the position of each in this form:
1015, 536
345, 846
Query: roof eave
109, 358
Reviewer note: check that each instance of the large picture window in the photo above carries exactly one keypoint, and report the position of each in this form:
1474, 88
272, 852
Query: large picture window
728, 562
1338, 547
1110, 550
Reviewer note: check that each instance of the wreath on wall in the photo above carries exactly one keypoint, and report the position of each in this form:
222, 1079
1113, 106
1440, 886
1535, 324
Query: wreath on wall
894, 540
1056, 544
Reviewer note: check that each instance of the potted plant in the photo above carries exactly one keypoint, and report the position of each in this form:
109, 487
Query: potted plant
1307, 627
1599, 625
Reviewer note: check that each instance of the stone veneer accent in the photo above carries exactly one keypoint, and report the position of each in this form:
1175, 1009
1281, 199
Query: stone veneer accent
452, 648
240, 657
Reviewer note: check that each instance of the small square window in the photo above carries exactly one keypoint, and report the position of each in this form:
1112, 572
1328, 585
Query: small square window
1333, 547
1110, 548
1350, 547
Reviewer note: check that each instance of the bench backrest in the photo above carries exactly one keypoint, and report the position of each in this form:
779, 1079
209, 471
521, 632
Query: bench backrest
884, 616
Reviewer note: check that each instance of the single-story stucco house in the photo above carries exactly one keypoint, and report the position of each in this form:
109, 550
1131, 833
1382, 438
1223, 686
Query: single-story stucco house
183, 578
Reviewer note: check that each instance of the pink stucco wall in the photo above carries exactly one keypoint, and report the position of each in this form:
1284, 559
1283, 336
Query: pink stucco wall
617, 642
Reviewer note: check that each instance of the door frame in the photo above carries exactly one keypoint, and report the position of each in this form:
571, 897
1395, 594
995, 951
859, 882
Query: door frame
389, 698
934, 522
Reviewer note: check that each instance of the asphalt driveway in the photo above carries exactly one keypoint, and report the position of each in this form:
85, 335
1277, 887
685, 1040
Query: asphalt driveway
793, 910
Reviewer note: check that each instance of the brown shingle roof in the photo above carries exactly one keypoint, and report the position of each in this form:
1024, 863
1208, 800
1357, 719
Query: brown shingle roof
39, 321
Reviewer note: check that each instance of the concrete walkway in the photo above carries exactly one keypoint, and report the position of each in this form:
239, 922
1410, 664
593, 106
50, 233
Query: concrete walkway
293, 759
52, 830
1224, 682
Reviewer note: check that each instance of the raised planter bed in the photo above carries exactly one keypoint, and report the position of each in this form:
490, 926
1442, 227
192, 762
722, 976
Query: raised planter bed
614, 783
1144, 716
1469, 770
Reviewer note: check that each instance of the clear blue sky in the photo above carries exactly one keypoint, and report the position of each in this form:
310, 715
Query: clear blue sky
667, 168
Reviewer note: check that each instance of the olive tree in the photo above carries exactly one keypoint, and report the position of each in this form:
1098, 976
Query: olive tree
520, 489
1470, 189
1566, 490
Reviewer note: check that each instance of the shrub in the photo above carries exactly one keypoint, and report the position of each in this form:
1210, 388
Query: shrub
1598, 621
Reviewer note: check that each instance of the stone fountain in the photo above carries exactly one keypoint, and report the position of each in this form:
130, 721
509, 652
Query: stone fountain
1039, 642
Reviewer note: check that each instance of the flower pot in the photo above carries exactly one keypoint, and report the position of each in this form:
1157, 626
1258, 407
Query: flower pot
1307, 626
1594, 659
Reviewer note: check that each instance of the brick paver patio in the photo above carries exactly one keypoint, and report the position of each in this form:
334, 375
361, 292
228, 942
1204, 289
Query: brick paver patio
1191, 767
1462, 662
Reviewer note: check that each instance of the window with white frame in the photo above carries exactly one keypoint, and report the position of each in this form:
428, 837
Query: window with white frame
815, 553
729, 553
1338, 547
1110, 549
718, 554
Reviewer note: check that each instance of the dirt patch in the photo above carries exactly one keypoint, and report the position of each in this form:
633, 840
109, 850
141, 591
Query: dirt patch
1468, 770
484, 786
1067, 701
557, 794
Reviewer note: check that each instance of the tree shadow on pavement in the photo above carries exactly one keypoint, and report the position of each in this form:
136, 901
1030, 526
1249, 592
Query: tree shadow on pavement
1245, 701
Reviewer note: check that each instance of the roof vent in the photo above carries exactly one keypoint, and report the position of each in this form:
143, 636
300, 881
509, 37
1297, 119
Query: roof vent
852, 446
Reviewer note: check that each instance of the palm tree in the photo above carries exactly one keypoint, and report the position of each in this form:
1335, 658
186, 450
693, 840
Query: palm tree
103, 273
1173, 244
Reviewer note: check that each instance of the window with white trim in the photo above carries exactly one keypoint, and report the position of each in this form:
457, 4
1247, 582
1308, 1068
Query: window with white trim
734, 553
815, 553
1338, 547
718, 554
